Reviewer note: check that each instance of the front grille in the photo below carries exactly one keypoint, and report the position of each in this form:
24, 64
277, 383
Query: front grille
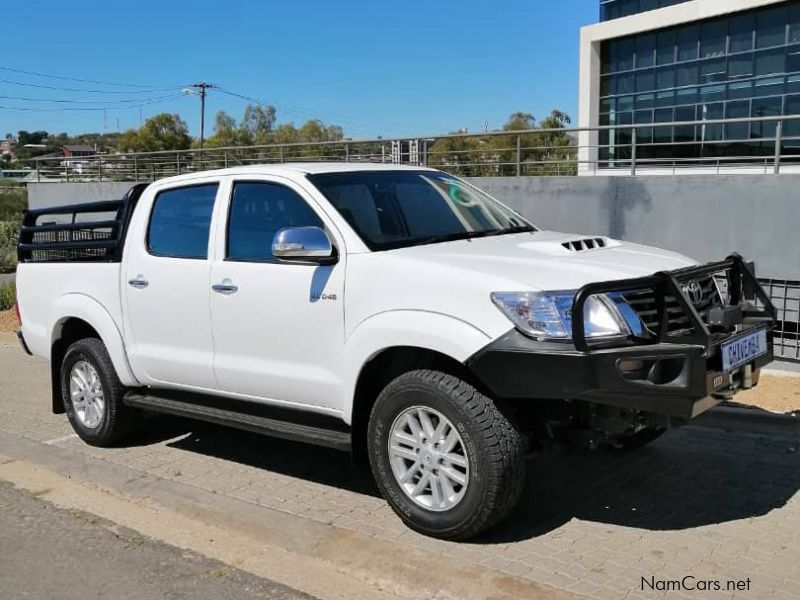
645, 304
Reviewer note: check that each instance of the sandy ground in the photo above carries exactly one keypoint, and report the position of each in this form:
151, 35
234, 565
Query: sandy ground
775, 393
8, 321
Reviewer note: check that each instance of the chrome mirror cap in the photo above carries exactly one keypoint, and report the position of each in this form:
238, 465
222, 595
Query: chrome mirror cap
302, 243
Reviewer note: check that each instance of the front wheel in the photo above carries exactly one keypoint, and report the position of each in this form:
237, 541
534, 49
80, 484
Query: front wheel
447, 460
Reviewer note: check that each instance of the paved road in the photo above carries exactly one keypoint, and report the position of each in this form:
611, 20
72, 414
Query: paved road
699, 502
71, 555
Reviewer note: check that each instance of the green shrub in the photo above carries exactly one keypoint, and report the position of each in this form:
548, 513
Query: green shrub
7, 295
9, 233
13, 200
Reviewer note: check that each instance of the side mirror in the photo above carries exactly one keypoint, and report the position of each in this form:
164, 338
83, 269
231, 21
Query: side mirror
304, 244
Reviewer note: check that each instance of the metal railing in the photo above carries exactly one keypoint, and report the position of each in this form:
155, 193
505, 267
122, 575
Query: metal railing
769, 145
785, 295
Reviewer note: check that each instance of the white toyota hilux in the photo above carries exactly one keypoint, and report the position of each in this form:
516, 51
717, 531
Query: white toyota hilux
397, 312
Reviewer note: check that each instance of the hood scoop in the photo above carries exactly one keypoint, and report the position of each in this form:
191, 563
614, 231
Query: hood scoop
581, 245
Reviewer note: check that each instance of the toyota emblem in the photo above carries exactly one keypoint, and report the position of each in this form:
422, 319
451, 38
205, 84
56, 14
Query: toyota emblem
694, 291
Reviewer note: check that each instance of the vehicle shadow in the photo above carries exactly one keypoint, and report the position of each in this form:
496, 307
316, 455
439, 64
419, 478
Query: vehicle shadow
295, 459
691, 477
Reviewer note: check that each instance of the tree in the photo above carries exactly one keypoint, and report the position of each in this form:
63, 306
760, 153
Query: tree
545, 153
519, 121
37, 137
161, 132
555, 152
461, 155
226, 132
257, 123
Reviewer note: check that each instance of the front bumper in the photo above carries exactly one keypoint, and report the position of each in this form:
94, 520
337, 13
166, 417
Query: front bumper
679, 375
686, 382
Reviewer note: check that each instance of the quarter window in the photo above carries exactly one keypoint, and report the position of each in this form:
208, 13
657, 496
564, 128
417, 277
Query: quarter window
180, 222
258, 211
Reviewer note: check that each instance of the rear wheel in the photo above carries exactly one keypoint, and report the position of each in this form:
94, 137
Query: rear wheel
92, 394
447, 460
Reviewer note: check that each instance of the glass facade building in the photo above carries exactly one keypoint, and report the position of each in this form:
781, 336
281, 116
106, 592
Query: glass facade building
741, 65
614, 9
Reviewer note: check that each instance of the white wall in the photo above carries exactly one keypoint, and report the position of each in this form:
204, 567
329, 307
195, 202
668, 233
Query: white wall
44, 195
703, 216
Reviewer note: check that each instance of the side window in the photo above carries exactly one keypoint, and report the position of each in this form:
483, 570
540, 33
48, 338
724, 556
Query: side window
258, 211
180, 222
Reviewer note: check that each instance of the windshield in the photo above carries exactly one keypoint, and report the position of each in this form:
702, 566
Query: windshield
396, 209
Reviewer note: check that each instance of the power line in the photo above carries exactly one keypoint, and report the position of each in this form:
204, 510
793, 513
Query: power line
308, 112
64, 78
105, 102
68, 89
283, 107
91, 108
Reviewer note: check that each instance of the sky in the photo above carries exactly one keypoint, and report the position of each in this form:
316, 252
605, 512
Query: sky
376, 68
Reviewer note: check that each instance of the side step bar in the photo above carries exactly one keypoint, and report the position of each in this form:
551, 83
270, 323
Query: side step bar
198, 407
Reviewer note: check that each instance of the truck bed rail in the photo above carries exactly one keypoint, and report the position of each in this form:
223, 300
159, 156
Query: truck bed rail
83, 232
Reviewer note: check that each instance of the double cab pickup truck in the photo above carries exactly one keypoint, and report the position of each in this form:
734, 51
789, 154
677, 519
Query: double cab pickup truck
396, 312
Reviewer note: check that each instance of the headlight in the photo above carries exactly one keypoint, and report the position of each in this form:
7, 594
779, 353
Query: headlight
548, 315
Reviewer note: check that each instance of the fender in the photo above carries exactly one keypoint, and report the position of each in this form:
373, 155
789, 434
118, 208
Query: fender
429, 330
81, 306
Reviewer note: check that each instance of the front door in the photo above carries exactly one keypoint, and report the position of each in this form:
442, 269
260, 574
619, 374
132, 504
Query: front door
166, 287
278, 327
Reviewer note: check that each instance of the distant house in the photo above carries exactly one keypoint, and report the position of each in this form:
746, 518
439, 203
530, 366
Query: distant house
6, 147
78, 150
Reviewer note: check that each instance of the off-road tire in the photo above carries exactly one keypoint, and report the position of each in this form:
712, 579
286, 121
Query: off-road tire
493, 445
117, 419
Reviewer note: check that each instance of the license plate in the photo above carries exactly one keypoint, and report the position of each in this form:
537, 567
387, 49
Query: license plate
743, 349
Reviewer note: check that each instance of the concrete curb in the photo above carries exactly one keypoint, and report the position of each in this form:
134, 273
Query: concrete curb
303, 553
752, 420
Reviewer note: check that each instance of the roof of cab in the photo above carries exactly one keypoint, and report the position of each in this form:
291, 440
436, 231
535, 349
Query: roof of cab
307, 168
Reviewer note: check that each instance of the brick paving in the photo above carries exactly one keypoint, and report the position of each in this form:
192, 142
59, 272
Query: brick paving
701, 502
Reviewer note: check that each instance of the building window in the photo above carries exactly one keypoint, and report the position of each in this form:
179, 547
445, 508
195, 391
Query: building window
736, 66
615, 9
771, 27
741, 29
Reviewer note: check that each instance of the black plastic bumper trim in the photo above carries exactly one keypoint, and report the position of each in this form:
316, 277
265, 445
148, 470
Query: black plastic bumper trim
23, 343
516, 367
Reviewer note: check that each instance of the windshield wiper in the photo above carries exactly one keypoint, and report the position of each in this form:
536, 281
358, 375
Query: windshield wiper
469, 235
452, 237
510, 230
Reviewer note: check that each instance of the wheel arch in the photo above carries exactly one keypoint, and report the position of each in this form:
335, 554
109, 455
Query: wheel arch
389, 344
77, 317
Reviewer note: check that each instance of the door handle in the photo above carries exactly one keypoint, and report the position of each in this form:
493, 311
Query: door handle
225, 288
139, 283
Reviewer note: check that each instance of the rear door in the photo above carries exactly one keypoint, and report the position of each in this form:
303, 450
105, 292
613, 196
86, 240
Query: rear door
166, 285
278, 327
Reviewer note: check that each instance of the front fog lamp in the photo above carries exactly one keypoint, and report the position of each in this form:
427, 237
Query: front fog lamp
548, 315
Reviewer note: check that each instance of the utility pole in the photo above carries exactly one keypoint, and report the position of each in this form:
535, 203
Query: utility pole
202, 87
